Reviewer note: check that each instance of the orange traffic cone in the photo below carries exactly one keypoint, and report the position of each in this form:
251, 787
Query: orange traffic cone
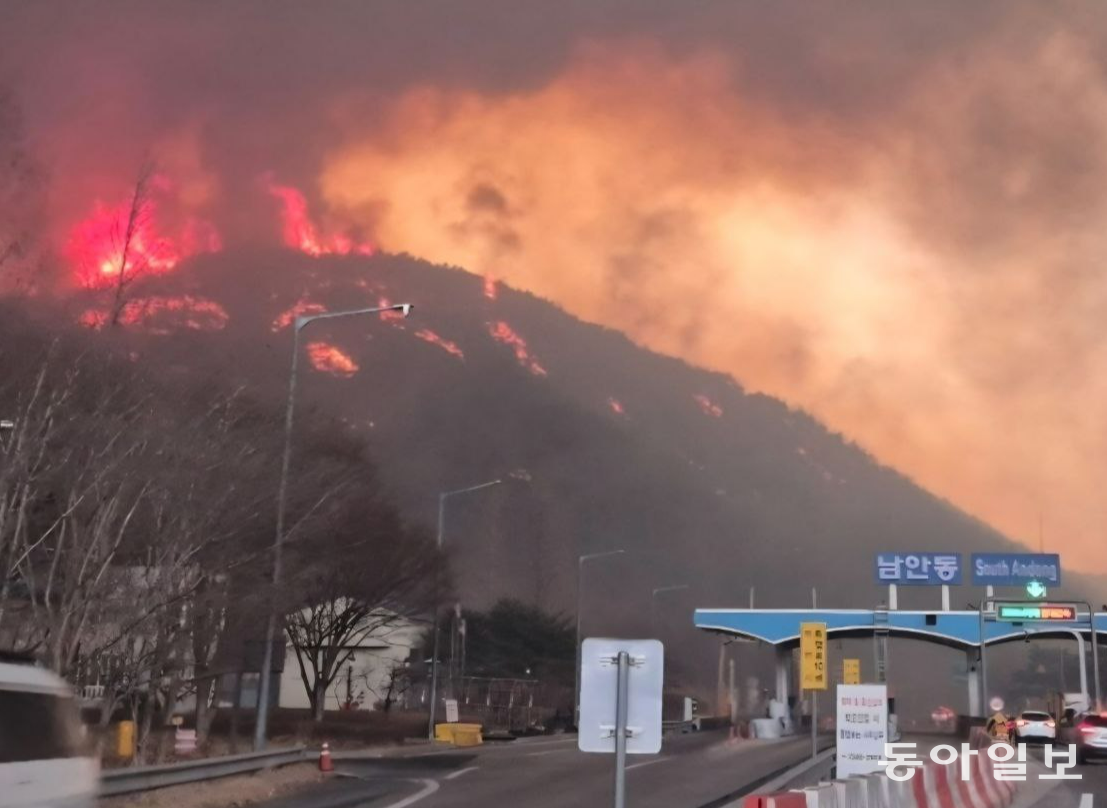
325, 762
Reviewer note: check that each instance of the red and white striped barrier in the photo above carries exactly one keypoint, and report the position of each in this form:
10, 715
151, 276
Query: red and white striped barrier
933, 786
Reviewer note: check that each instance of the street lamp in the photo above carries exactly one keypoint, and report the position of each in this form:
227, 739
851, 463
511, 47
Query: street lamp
445, 495
580, 578
653, 599
298, 325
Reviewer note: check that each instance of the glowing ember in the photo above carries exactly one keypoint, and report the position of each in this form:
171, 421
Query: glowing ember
301, 307
329, 359
490, 290
502, 332
301, 233
708, 406
616, 406
97, 244
163, 315
446, 345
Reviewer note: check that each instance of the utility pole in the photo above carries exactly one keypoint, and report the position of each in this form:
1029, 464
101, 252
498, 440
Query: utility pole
442, 498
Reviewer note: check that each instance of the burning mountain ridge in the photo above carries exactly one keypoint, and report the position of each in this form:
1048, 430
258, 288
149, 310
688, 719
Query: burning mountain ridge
625, 448
872, 222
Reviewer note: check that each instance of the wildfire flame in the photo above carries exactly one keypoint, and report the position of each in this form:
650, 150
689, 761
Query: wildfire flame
502, 332
329, 359
97, 243
616, 406
446, 345
708, 406
490, 289
301, 307
301, 233
163, 315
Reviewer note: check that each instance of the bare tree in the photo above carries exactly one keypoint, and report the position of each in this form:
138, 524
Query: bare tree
131, 262
20, 194
362, 577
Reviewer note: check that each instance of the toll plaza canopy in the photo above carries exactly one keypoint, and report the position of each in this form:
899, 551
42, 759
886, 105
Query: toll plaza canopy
781, 627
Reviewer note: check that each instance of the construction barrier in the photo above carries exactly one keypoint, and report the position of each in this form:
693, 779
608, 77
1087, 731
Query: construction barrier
933, 786
459, 734
787, 799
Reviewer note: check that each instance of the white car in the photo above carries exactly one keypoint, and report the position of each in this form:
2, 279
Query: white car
44, 762
1033, 725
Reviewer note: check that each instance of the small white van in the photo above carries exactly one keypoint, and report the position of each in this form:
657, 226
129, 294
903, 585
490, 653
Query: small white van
45, 761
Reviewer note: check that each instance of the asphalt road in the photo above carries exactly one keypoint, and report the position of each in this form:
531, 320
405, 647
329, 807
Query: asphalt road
692, 771
1071, 793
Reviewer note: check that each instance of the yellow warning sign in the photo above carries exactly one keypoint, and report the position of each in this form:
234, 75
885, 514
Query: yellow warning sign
851, 671
813, 656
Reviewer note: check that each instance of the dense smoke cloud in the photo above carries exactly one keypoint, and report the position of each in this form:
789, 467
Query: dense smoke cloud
891, 217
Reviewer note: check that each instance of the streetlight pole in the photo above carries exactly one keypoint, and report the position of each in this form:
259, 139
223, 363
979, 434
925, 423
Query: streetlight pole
260, 725
445, 495
653, 599
580, 577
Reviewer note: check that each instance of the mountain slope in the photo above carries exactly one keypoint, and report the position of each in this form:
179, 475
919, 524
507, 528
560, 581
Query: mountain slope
699, 481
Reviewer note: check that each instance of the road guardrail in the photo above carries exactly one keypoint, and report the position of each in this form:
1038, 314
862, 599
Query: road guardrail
147, 778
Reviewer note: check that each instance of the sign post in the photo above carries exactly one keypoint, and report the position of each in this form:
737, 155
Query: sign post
620, 701
813, 678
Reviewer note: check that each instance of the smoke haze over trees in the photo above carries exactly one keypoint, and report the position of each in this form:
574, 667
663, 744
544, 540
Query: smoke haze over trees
136, 520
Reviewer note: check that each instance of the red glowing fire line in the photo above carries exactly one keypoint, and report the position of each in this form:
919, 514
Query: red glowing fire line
446, 345
301, 233
504, 333
329, 359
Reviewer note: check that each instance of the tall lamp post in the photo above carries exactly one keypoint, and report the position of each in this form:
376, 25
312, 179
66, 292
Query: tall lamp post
445, 495
653, 599
298, 325
581, 561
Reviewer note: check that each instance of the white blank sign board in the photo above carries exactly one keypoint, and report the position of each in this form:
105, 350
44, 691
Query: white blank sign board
598, 690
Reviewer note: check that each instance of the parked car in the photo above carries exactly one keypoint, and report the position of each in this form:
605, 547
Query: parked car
44, 758
1088, 732
1034, 725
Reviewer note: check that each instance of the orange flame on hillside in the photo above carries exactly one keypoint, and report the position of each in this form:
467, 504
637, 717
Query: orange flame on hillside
162, 315
301, 233
300, 307
616, 406
490, 290
446, 345
502, 332
708, 406
329, 359
97, 243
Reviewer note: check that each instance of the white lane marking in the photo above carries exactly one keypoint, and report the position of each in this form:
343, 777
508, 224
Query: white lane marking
550, 752
648, 763
429, 787
1085, 801
460, 772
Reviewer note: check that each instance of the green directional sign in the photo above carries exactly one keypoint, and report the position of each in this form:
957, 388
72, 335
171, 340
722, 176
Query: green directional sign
1031, 612
1036, 589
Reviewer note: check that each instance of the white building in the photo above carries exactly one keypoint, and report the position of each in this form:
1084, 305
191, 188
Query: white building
375, 662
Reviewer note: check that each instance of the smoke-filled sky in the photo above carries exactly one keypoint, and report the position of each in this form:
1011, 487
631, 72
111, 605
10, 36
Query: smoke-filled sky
888, 213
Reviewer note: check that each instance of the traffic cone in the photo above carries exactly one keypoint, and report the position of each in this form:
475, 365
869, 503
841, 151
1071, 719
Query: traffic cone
325, 762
